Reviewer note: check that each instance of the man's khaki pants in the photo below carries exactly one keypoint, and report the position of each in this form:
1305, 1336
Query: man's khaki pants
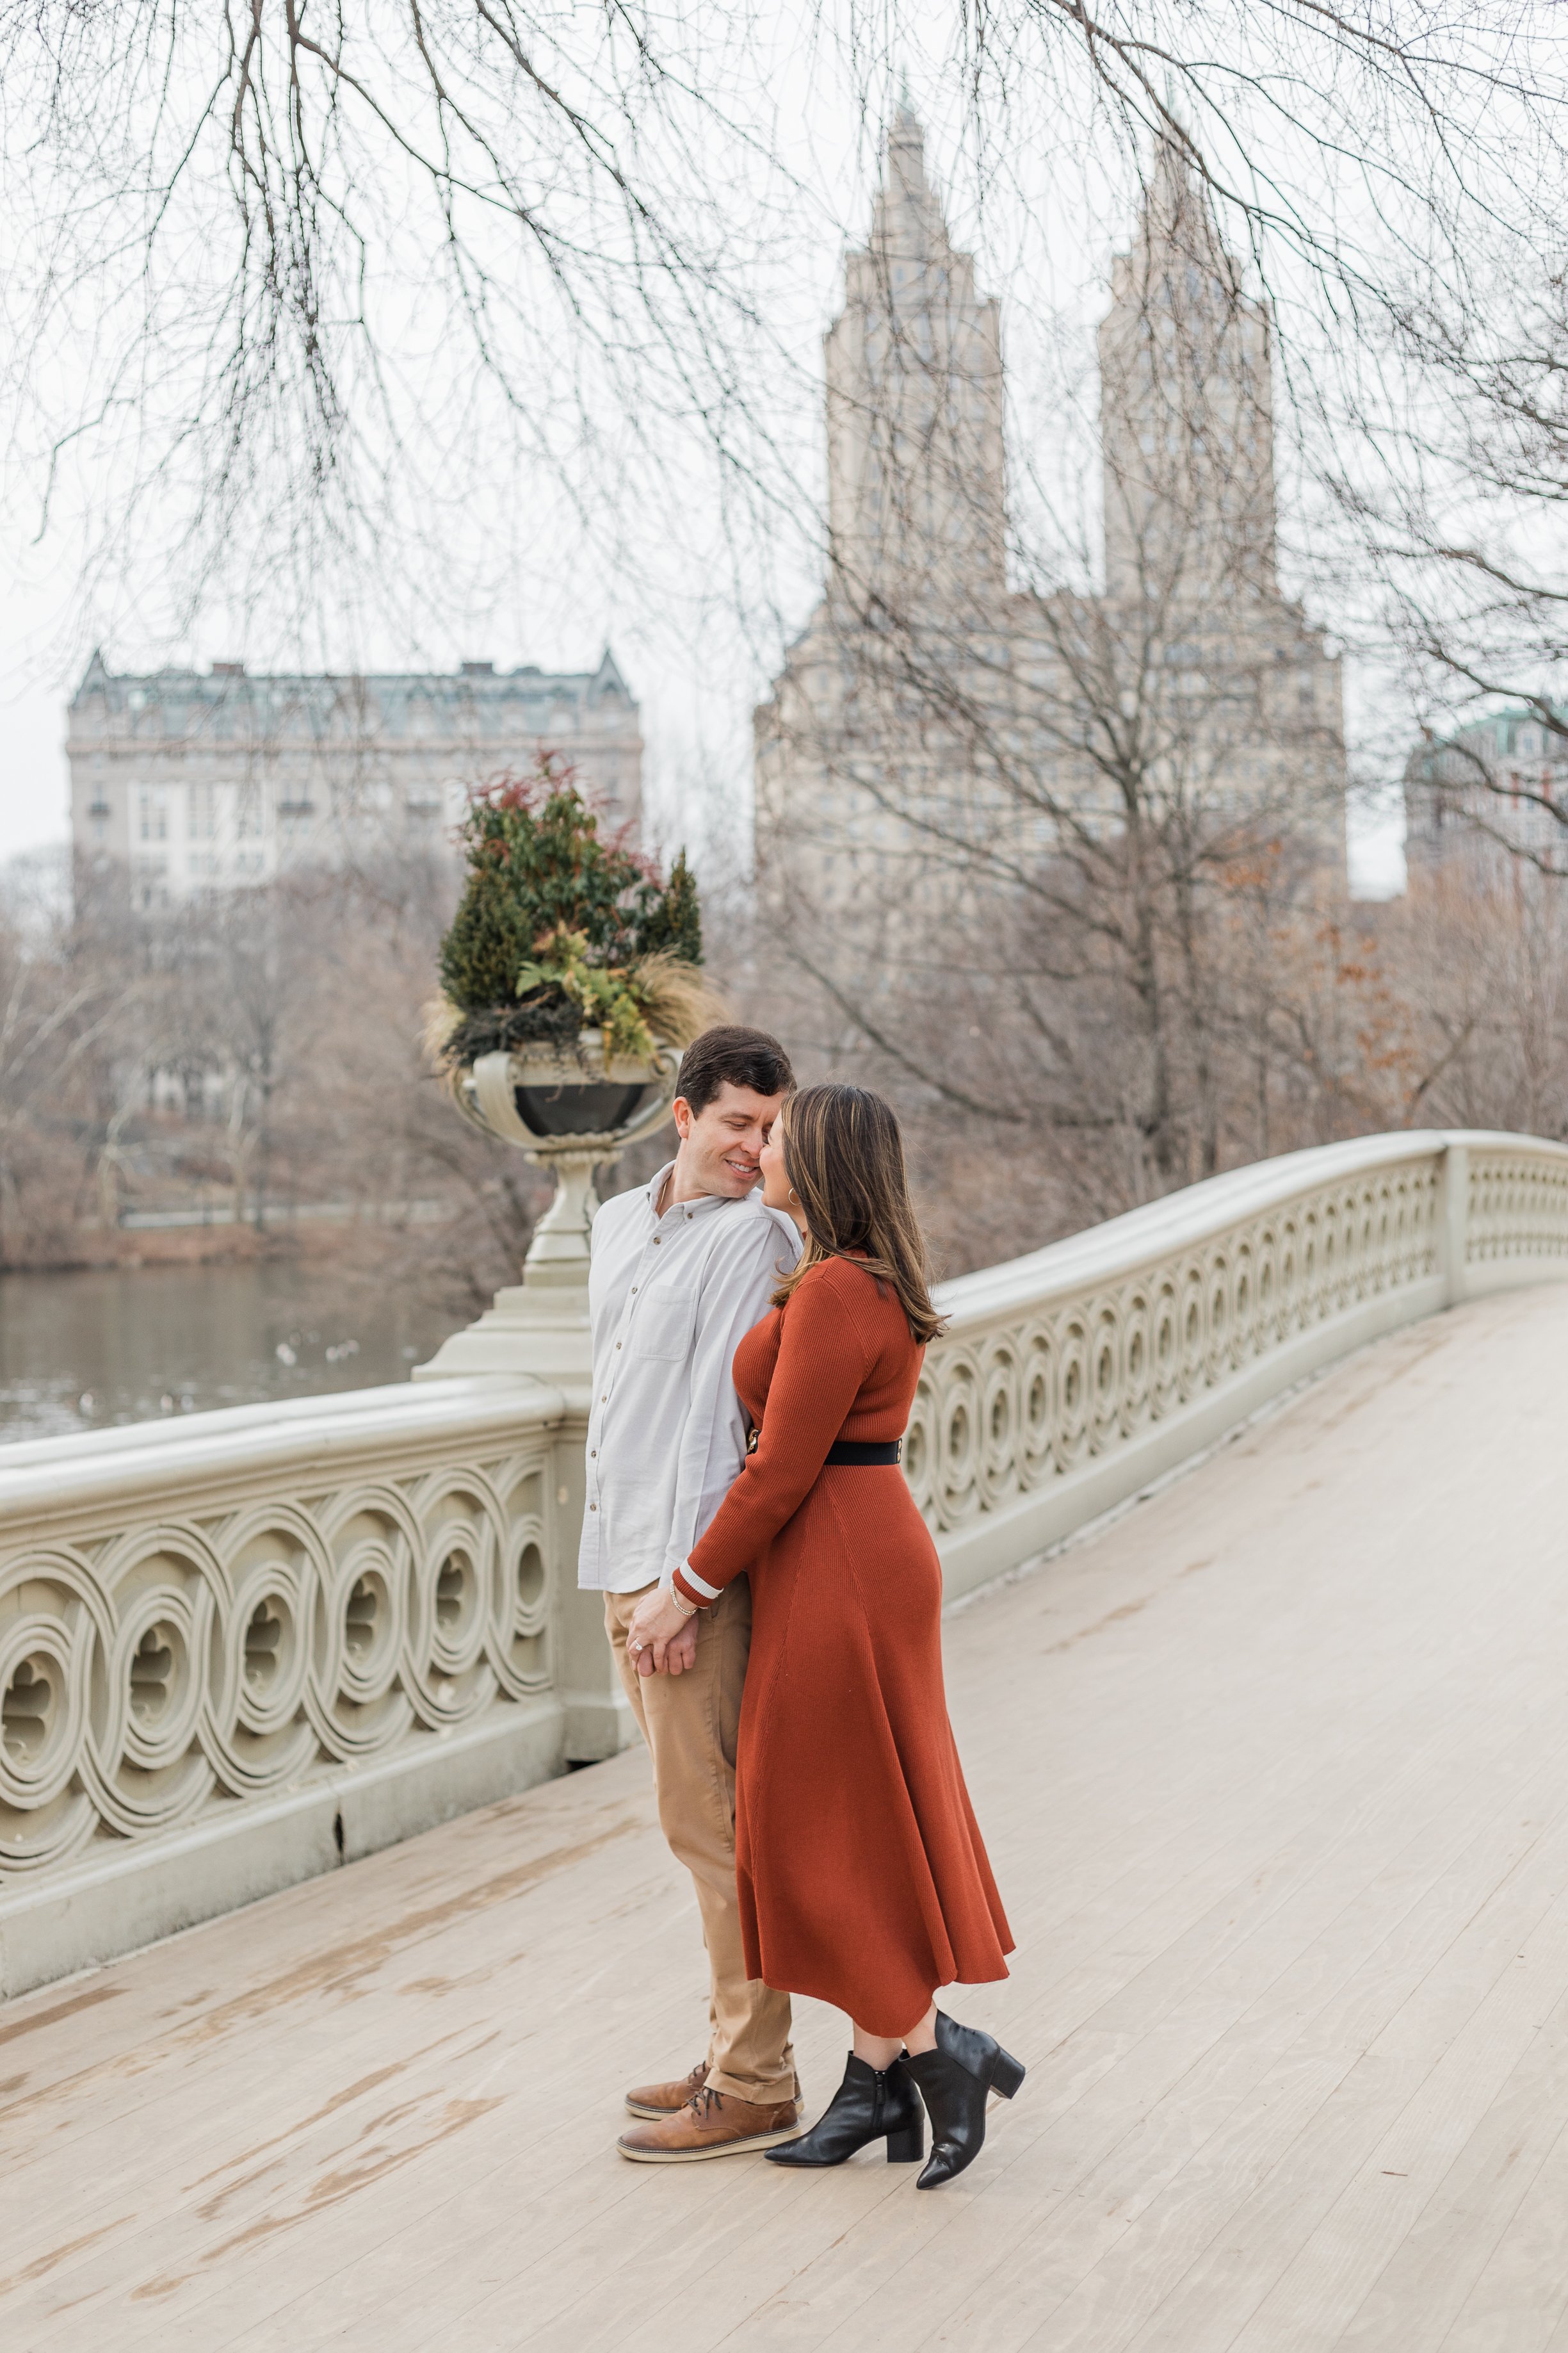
689, 1721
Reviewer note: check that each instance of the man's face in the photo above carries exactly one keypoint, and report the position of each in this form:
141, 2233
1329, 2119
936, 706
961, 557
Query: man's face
721, 1145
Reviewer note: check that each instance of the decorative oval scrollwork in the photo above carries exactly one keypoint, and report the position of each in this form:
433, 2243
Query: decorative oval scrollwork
921, 1449
1073, 1395
958, 1410
1219, 1317
999, 1433
355, 1694
1037, 1406
1105, 1375
1137, 1359
1165, 1345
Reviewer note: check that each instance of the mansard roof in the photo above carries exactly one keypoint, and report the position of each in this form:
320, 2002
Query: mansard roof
316, 702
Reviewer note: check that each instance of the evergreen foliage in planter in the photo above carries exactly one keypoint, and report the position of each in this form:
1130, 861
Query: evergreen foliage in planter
559, 929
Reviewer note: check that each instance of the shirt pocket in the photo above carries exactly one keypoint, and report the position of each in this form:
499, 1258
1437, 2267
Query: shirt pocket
662, 1326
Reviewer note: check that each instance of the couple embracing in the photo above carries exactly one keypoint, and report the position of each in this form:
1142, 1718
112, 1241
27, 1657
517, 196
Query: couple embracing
773, 1598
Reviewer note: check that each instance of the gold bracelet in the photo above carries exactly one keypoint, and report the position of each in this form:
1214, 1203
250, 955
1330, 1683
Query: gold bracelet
686, 1609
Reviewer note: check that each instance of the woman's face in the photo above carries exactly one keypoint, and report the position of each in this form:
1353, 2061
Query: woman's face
775, 1178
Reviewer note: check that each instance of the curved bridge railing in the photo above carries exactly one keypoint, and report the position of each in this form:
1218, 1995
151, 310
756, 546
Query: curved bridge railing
1070, 1378
239, 1649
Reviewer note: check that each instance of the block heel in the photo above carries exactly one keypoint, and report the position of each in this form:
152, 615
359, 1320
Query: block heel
955, 2081
908, 2146
1007, 2074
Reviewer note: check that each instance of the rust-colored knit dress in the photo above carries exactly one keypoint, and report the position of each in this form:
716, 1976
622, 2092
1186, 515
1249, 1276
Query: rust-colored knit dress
862, 1876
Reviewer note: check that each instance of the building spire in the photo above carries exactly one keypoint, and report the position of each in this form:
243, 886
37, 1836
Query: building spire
1186, 402
914, 403
907, 219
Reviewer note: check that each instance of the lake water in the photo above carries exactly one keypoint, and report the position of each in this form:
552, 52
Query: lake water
82, 1350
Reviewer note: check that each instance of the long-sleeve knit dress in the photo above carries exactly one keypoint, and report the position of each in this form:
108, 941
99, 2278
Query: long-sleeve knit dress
863, 1879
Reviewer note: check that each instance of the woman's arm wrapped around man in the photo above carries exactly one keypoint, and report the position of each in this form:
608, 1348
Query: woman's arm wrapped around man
823, 1356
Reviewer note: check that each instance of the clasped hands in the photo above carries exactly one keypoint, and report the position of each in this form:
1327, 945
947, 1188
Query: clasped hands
661, 1639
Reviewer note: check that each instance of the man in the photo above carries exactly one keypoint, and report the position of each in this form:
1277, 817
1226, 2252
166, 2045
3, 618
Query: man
680, 1271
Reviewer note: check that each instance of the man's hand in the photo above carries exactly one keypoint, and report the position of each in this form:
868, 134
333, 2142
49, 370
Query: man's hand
656, 1624
679, 1652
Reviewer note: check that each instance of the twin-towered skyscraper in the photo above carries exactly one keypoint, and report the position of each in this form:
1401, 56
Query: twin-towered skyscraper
916, 437
945, 708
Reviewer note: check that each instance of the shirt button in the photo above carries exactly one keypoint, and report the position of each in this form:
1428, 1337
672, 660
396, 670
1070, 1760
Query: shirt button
604, 1400
593, 1453
634, 1291
617, 1344
657, 1240
593, 1507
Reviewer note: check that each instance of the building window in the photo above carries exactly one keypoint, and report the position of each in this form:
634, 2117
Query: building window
351, 798
154, 812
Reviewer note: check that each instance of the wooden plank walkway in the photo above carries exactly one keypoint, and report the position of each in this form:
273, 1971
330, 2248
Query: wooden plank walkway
1275, 1775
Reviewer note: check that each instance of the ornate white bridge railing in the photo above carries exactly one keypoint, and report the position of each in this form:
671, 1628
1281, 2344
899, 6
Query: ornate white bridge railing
1070, 1378
239, 1649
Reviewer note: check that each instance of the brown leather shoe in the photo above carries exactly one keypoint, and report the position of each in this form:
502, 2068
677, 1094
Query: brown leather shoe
665, 2099
711, 2124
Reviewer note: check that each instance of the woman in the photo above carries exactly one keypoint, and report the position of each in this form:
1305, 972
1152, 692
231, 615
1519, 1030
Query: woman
862, 1877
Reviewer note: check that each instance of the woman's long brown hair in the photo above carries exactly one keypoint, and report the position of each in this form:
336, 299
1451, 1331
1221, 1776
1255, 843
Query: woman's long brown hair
843, 1155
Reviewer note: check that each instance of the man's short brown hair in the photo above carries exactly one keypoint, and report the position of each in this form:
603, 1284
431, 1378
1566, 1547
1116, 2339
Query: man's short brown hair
730, 1055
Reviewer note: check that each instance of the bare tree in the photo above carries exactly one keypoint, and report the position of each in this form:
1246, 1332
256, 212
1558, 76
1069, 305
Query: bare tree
70, 997
264, 1044
320, 279
287, 286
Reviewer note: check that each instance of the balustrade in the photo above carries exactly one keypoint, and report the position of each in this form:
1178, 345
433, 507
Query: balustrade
1069, 1380
239, 1649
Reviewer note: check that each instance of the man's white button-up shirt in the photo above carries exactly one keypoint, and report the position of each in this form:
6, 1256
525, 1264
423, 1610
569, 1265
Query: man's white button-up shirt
669, 1298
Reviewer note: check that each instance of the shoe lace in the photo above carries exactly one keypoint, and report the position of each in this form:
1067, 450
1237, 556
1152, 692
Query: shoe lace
702, 2100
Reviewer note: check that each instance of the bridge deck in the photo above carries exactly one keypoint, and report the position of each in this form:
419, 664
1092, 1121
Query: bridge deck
1275, 1774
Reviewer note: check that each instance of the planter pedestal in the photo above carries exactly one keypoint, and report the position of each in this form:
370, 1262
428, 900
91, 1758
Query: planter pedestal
540, 1325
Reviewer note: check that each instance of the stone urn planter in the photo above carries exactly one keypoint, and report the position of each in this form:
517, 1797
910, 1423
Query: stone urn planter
560, 1103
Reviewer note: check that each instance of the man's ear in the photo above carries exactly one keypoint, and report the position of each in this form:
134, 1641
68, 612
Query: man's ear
682, 1110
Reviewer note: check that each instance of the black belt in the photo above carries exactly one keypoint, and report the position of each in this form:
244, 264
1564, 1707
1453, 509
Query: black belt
845, 1452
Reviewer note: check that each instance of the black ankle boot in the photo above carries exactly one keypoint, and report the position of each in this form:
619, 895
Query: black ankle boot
955, 2080
866, 2106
